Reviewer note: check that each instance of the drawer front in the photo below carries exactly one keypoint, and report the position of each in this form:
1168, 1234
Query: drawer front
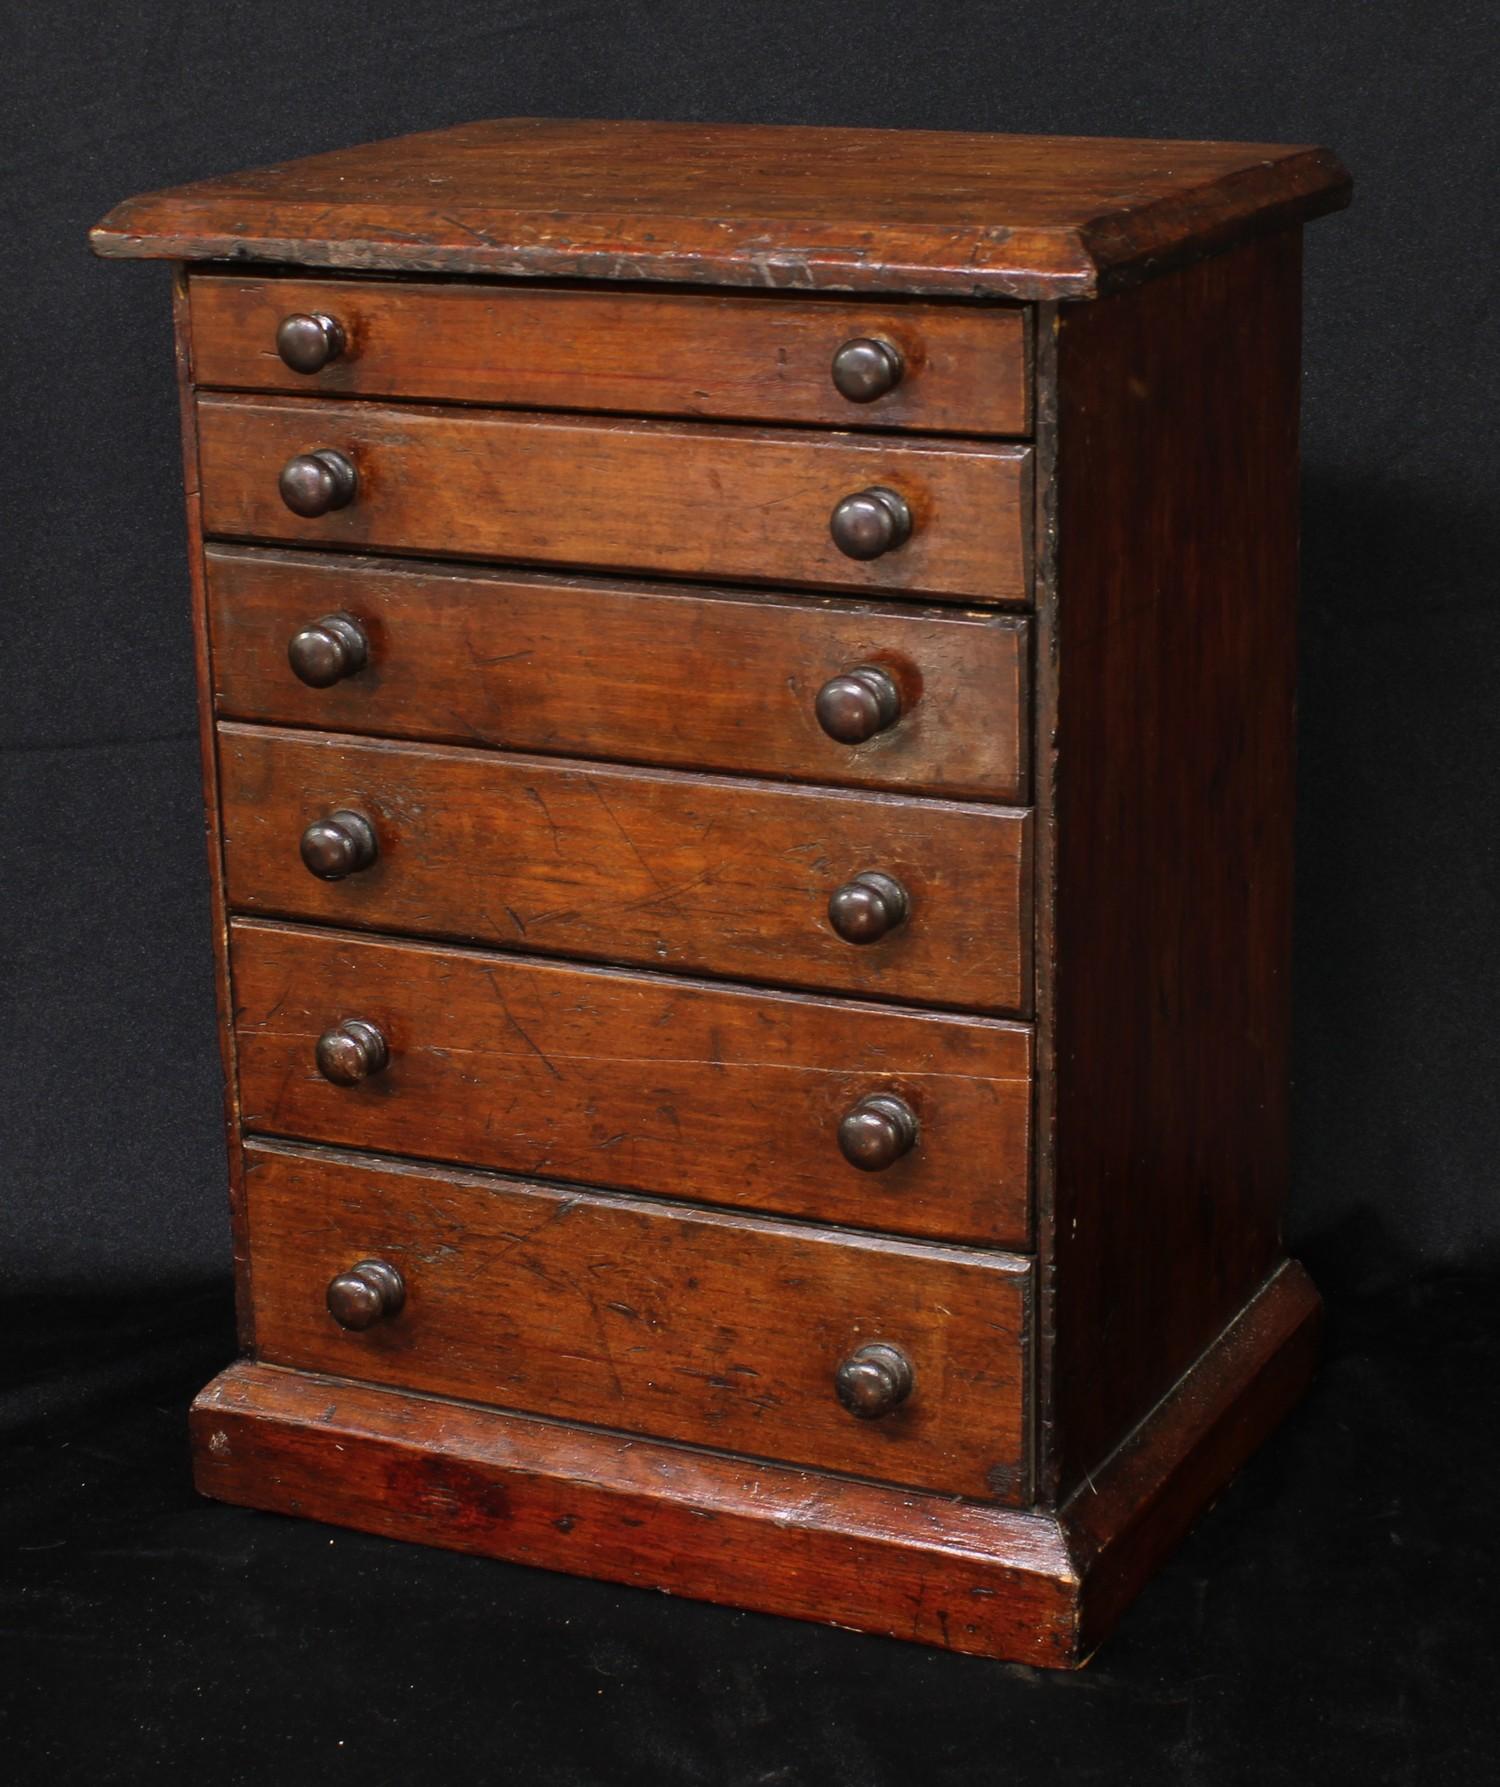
685, 1325
739, 503
962, 366
638, 866
686, 678
644, 1082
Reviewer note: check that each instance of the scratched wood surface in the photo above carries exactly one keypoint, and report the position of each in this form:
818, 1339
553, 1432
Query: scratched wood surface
638, 353
601, 1077
698, 1326
1031, 1587
791, 206
647, 673
708, 874
969, 1576
747, 504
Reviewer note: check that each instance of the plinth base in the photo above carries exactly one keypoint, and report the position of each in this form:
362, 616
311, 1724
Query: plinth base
1040, 1587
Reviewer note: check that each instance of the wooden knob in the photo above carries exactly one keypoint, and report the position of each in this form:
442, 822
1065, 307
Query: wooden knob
853, 707
352, 1052
873, 1380
870, 522
864, 369
876, 1132
869, 907
340, 845
308, 343
314, 483
367, 1293
329, 650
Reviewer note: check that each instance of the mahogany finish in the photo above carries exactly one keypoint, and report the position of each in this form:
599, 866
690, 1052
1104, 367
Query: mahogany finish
698, 1326
714, 680
1173, 924
638, 353
819, 1286
646, 1082
746, 504
208, 758
748, 880
787, 207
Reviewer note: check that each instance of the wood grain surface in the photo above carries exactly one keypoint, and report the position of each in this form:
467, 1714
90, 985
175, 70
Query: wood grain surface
716, 356
1177, 501
747, 504
744, 205
208, 761
718, 1330
644, 1082
650, 867
647, 673
969, 1576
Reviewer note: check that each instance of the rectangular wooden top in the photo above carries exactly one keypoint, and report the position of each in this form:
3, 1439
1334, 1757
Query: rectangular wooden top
1022, 217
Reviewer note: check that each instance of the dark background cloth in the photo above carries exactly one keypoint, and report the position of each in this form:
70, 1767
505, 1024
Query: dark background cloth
1336, 1611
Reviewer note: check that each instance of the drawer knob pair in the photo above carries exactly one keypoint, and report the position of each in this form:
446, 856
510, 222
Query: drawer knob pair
307, 343
333, 647
316, 483
871, 1382
873, 1135
370, 1292
865, 369
871, 522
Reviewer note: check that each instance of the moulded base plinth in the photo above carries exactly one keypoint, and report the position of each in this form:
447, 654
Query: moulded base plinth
1040, 1587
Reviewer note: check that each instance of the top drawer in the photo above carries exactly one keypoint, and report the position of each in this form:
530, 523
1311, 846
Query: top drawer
960, 368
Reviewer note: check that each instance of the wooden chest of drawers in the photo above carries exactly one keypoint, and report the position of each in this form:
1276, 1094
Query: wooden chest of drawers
746, 681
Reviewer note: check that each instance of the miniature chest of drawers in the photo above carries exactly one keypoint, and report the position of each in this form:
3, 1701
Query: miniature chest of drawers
746, 682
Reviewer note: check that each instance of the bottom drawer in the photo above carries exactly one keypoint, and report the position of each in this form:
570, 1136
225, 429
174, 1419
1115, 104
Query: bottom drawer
716, 1330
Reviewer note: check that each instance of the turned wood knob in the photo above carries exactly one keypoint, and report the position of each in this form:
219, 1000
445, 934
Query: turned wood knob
308, 343
314, 483
329, 650
873, 1380
869, 907
876, 1132
864, 369
853, 707
870, 522
367, 1293
351, 1052
340, 845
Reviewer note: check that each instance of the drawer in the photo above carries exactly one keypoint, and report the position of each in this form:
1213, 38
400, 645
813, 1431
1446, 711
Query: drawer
686, 1325
748, 504
644, 1082
961, 367
693, 678
652, 867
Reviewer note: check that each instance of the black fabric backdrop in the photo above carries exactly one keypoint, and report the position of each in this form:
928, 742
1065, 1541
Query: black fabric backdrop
1334, 1611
